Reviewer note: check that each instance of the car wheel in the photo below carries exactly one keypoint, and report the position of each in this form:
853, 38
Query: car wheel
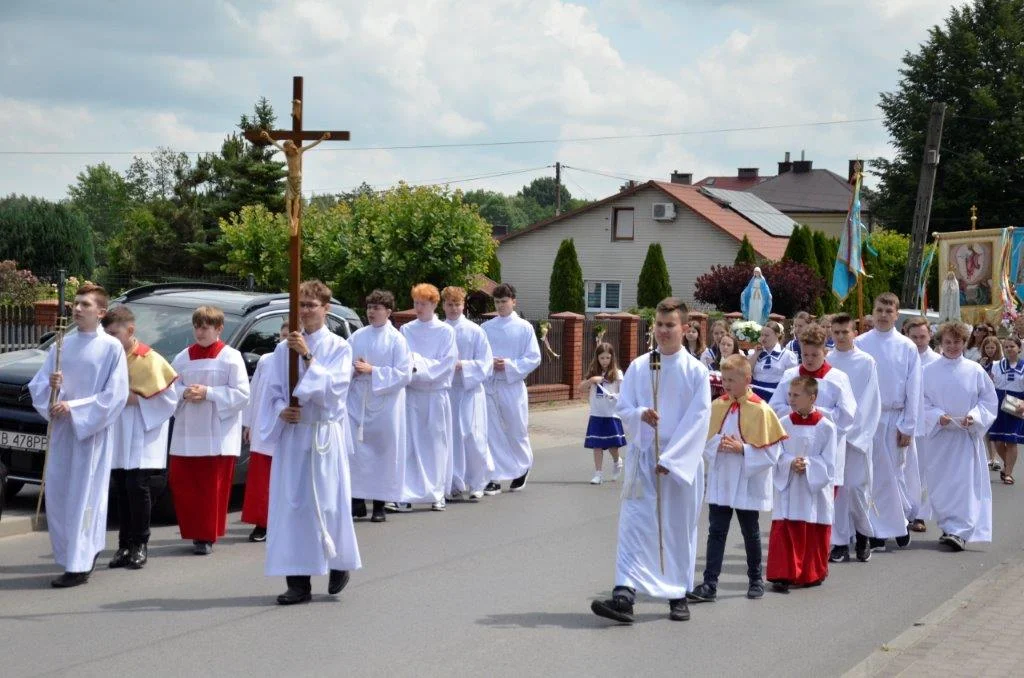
12, 488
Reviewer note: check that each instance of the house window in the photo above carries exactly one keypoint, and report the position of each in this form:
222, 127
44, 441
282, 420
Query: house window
603, 295
622, 223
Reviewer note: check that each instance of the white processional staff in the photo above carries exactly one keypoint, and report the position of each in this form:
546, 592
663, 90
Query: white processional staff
62, 328
655, 362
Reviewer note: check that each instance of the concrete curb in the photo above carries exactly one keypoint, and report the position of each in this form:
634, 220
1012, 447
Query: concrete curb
889, 652
14, 526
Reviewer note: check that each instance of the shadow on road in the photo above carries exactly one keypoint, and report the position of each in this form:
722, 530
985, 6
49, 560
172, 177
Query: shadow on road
186, 605
566, 620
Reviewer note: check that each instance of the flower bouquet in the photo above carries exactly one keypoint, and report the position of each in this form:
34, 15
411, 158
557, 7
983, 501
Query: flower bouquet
747, 333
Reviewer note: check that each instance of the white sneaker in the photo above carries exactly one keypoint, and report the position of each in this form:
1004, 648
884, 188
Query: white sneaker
618, 470
437, 506
597, 479
476, 496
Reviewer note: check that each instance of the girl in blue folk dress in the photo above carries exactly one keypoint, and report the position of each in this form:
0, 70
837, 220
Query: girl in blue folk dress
1008, 430
604, 430
770, 360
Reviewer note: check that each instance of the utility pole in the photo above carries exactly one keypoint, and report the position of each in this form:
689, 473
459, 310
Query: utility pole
558, 188
923, 206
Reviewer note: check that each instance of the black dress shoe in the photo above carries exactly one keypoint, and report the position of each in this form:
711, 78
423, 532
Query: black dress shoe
358, 508
904, 541
678, 610
69, 580
337, 581
299, 591
139, 557
617, 609
379, 516
120, 559
258, 534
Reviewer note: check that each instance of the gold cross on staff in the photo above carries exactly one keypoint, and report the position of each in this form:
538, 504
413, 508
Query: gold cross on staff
293, 150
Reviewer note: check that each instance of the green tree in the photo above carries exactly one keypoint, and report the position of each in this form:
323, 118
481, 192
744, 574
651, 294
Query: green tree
746, 254
542, 191
396, 238
566, 292
825, 256
101, 195
256, 242
801, 248
494, 267
144, 245
505, 214
975, 65
885, 269
653, 284
44, 236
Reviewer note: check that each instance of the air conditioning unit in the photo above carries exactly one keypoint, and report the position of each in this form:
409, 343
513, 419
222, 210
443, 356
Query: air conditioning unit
663, 211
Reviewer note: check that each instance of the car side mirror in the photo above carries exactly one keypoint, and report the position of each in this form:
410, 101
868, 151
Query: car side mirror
46, 337
251, 360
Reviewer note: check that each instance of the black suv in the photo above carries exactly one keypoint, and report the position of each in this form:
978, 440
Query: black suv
163, 315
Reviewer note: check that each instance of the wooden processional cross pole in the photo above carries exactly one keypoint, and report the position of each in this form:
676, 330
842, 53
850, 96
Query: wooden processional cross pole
293, 150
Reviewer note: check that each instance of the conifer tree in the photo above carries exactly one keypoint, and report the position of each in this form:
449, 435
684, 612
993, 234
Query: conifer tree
654, 284
566, 291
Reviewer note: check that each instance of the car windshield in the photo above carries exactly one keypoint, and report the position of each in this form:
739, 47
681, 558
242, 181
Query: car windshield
168, 329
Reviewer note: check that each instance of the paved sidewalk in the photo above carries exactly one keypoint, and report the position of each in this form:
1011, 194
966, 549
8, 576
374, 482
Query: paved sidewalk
978, 632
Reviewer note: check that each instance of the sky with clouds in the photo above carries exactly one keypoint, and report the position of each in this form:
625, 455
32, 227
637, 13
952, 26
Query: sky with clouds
121, 76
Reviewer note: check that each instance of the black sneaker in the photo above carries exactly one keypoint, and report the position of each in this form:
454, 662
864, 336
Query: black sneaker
780, 586
904, 541
678, 610
617, 609
120, 559
863, 547
378, 515
358, 508
202, 548
839, 554
70, 579
518, 483
755, 590
876, 543
955, 542
703, 593
258, 534
492, 489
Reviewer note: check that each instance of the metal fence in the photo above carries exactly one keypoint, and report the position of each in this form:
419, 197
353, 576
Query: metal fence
551, 370
18, 328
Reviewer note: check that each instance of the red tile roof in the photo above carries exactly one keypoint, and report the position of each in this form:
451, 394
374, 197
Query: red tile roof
768, 246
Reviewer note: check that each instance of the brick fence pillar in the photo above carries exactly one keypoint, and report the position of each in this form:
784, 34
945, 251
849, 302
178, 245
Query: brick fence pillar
399, 318
629, 338
572, 349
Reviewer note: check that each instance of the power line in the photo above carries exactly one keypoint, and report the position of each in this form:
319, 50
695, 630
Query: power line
484, 144
441, 180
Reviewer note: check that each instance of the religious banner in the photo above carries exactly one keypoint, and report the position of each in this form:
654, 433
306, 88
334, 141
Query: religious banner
974, 260
1017, 261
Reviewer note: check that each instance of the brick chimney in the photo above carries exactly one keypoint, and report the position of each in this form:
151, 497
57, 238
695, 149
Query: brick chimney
785, 165
685, 178
747, 173
802, 166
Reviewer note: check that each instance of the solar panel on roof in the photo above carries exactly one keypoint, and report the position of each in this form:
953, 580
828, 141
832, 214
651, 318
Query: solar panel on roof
766, 217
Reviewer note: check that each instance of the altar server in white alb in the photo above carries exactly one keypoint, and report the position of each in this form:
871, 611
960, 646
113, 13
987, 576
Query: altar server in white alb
256, 501
770, 361
472, 465
657, 549
835, 399
207, 439
899, 382
140, 437
516, 354
376, 408
853, 497
916, 503
92, 388
310, 529
959, 406
428, 450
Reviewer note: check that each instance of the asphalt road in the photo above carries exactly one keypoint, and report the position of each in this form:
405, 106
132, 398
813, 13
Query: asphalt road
500, 588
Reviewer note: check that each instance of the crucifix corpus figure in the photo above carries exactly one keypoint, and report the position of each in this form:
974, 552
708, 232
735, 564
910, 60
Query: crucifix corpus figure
293, 157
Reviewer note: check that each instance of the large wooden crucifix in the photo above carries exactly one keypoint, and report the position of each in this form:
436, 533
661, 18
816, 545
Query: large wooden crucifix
293, 150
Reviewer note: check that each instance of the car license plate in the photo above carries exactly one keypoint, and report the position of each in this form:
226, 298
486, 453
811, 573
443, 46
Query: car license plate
23, 441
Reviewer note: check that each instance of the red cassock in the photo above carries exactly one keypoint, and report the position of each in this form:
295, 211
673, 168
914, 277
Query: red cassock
257, 490
798, 552
201, 487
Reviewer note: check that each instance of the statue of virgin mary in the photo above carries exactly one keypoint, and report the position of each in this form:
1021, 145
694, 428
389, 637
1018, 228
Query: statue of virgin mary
756, 299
